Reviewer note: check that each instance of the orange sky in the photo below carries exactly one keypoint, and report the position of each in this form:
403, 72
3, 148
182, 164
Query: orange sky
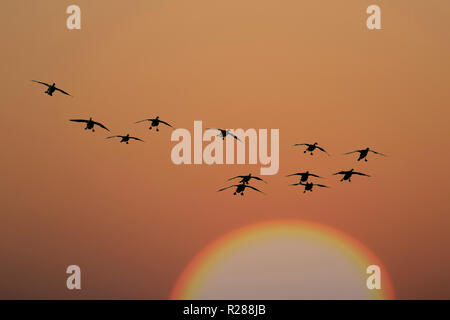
132, 220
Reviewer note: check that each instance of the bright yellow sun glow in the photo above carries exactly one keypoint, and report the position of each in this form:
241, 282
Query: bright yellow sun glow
282, 259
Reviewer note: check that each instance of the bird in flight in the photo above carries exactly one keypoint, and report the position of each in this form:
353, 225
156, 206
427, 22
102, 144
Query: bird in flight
364, 152
155, 123
311, 147
223, 133
240, 188
304, 175
125, 138
90, 124
347, 175
309, 186
51, 88
246, 179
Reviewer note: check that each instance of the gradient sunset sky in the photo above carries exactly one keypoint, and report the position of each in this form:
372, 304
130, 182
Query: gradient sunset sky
132, 220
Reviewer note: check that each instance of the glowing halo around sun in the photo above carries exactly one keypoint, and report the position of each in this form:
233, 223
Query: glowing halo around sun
282, 259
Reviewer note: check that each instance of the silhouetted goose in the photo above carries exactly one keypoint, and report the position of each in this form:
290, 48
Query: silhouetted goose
309, 186
125, 138
311, 147
155, 123
348, 174
90, 124
51, 88
246, 179
240, 188
304, 175
223, 133
364, 152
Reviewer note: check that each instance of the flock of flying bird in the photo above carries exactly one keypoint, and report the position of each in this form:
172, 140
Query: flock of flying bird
91, 124
305, 176
223, 133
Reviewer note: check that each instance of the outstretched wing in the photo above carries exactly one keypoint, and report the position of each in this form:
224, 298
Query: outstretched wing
62, 91
360, 174
79, 120
321, 185
381, 154
296, 184
165, 123
353, 152
340, 172
144, 120
100, 125
322, 149
301, 144
258, 178
315, 175
229, 133
113, 137
296, 174
220, 132
234, 185
45, 84
136, 139
235, 178
247, 186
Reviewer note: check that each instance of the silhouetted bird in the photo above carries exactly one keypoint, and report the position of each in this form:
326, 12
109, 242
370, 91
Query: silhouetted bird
304, 175
90, 124
348, 174
246, 179
364, 152
311, 147
125, 138
240, 188
155, 123
223, 133
309, 186
51, 88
